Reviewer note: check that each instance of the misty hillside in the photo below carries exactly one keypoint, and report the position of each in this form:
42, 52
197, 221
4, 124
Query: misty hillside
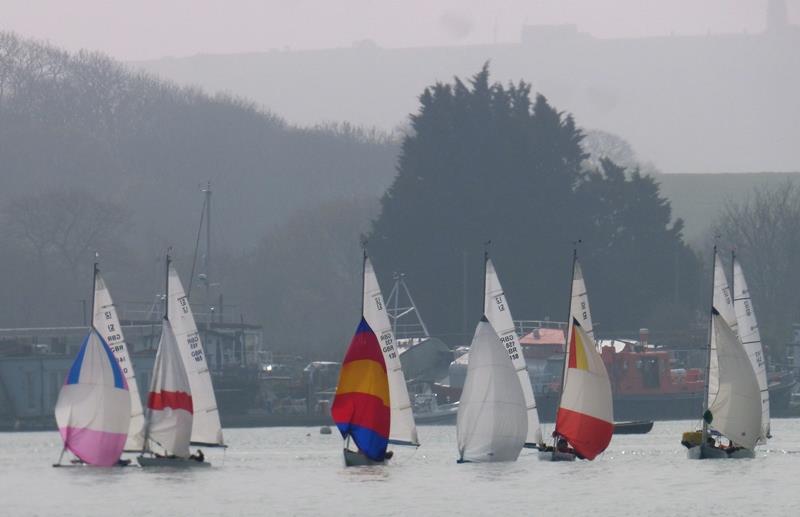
146, 144
95, 157
716, 103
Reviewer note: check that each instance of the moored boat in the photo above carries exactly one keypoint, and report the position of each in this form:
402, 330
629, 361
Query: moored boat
636, 427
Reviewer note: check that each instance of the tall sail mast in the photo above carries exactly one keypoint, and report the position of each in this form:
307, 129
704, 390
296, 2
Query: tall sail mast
486, 246
94, 288
708, 356
569, 321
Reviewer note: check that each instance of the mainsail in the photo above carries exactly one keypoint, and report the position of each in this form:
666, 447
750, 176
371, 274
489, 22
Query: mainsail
93, 410
106, 321
361, 406
585, 414
404, 430
498, 313
723, 302
736, 409
169, 403
492, 419
206, 429
751, 340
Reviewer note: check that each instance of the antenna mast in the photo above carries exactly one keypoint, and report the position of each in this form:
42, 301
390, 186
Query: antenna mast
397, 308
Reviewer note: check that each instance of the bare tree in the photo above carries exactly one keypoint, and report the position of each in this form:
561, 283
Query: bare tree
764, 229
63, 227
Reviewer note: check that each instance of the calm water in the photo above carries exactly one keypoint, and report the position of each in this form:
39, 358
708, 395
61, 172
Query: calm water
297, 471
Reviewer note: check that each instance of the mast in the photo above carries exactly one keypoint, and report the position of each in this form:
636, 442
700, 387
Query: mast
486, 246
205, 216
166, 317
208, 243
569, 324
363, 272
704, 434
166, 285
94, 286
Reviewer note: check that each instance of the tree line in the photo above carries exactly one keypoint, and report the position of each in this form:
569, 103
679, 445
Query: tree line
97, 157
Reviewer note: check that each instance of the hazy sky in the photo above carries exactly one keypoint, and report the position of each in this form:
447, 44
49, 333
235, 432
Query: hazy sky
146, 29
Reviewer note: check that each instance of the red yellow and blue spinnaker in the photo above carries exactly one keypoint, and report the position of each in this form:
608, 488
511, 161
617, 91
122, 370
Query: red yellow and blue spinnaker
361, 406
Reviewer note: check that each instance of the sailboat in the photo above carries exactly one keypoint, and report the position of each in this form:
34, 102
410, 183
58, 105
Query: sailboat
93, 410
751, 339
492, 422
106, 321
733, 396
206, 426
498, 313
585, 416
170, 405
361, 406
402, 429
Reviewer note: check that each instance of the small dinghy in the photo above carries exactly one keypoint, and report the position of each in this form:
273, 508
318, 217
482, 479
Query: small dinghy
170, 411
361, 406
93, 410
733, 402
585, 416
371, 407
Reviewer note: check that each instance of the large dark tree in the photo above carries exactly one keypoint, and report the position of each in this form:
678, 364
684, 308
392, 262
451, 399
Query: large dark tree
484, 162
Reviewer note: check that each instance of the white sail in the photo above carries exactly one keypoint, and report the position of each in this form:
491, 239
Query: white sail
168, 428
206, 428
751, 339
723, 302
106, 322
498, 313
736, 409
492, 421
403, 429
579, 307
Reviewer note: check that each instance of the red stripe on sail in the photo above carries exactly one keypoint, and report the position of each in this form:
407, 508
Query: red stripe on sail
588, 435
362, 410
170, 399
364, 345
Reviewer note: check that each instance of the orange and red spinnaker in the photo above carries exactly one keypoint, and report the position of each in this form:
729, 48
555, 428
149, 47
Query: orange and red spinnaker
586, 416
361, 406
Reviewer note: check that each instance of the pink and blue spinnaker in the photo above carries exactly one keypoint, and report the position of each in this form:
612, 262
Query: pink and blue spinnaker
93, 410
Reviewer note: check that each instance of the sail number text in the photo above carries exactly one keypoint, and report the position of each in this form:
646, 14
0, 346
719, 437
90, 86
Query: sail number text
511, 347
387, 345
195, 350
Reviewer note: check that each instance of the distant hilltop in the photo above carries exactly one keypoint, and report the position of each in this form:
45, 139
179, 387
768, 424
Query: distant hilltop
708, 103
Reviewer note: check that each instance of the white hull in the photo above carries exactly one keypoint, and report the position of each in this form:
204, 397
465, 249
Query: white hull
704, 452
176, 463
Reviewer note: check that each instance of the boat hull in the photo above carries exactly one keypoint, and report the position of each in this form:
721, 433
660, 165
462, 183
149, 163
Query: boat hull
173, 463
356, 459
704, 452
635, 427
551, 455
